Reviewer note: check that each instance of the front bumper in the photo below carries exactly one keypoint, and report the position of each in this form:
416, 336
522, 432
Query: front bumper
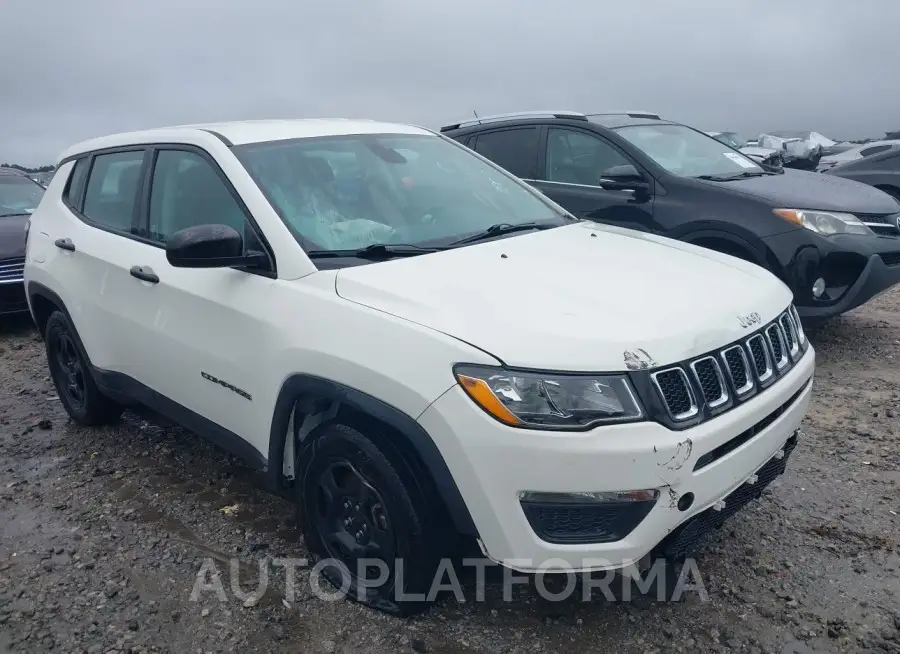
12, 297
855, 269
492, 464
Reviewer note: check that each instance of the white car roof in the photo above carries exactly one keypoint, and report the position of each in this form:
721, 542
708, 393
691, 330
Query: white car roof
247, 131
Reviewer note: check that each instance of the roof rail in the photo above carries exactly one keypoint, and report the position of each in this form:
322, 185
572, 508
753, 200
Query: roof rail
632, 113
571, 115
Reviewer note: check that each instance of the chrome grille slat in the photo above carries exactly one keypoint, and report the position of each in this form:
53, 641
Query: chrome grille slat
671, 383
738, 370
793, 341
757, 347
776, 341
12, 270
710, 386
801, 335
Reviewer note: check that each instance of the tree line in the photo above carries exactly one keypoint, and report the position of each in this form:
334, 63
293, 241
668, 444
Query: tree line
25, 169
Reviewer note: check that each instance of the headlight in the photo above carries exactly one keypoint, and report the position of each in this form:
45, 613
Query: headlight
825, 223
549, 400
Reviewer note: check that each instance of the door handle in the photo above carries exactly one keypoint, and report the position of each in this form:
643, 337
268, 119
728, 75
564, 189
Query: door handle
145, 274
65, 244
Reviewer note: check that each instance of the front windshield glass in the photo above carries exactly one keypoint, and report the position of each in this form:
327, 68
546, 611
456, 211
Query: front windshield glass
350, 192
18, 195
686, 152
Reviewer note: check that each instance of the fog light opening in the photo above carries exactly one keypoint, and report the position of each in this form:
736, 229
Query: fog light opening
685, 501
818, 287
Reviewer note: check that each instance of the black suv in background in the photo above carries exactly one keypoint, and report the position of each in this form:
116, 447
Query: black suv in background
834, 242
19, 196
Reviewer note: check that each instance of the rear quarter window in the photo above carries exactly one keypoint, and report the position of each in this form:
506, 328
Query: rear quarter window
73, 191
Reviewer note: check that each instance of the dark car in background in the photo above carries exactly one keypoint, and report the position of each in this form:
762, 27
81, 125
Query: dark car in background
880, 169
834, 242
19, 196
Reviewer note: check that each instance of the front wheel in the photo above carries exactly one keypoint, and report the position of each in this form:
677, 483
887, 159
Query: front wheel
365, 526
71, 376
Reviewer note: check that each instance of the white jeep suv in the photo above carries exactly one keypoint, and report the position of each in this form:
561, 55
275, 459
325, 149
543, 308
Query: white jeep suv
418, 344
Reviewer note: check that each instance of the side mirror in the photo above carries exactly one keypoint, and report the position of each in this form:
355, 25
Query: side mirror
210, 246
623, 178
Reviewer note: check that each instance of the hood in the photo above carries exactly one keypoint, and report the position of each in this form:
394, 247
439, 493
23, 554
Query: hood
801, 189
12, 236
581, 297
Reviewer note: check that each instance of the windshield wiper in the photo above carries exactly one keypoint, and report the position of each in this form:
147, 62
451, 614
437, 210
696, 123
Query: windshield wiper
375, 251
14, 213
502, 228
743, 175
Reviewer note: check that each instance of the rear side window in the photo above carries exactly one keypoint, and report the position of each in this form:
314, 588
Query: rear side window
74, 187
875, 150
112, 189
512, 149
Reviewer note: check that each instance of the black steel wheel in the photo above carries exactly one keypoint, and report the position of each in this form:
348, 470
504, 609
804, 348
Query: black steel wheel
364, 521
71, 375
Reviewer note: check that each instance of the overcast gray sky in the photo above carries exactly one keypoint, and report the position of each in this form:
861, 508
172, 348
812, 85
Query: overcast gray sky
74, 70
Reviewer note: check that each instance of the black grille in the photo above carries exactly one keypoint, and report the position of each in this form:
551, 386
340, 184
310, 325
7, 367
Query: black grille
11, 269
698, 389
673, 386
758, 351
788, 332
881, 224
775, 342
684, 540
736, 367
585, 523
709, 377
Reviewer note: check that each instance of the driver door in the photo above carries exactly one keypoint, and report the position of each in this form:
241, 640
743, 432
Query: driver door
572, 165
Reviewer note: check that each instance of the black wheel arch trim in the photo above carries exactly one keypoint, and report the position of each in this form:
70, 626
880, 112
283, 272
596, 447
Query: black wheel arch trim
752, 244
298, 385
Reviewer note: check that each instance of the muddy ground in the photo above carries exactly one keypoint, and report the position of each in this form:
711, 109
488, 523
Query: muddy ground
103, 533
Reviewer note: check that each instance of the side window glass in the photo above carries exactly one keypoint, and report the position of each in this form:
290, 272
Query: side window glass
75, 184
579, 158
112, 189
874, 150
186, 191
512, 149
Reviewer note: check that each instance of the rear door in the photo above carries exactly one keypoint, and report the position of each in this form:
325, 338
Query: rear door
572, 165
512, 148
90, 253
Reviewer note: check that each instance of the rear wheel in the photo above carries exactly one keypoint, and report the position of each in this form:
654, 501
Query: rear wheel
71, 375
366, 527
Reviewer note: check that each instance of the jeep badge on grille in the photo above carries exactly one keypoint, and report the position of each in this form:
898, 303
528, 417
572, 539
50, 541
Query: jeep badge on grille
749, 320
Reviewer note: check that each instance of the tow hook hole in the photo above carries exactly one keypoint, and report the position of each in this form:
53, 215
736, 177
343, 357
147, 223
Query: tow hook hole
685, 501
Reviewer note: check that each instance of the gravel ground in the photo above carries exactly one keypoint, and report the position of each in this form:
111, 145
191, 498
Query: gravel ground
103, 533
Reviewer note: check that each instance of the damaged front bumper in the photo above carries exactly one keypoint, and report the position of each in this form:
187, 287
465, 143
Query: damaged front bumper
693, 471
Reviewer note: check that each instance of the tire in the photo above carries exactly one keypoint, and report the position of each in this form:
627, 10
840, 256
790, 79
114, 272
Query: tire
71, 376
352, 498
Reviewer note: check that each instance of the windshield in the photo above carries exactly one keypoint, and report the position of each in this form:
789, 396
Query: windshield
687, 152
350, 192
18, 195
